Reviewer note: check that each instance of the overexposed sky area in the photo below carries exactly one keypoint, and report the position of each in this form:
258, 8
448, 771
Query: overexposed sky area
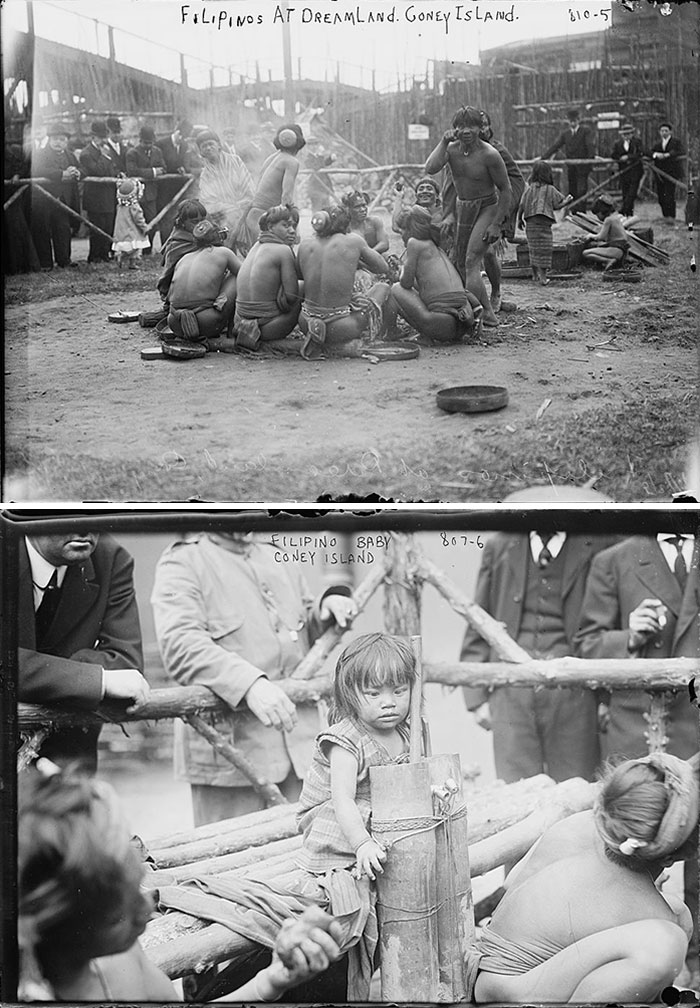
245, 36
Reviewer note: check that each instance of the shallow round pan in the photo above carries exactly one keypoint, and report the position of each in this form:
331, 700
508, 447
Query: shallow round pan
472, 398
123, 316
394, 351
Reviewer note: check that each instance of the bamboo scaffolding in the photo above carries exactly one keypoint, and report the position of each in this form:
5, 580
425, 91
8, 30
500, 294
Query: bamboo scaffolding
652, 674
15, 196
321, 648
72, 213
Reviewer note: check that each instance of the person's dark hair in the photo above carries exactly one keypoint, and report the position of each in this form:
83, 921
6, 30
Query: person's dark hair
541, 174
276, 214
667, 125
330, 220
73, 848
114, 124
283, 141
205, 232
354, 198
203, 135
572, 114
374, 659
184, 126
603, 206
467, 116
189, 213
631, 804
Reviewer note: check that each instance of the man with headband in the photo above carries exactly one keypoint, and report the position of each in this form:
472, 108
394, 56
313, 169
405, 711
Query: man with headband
427, 196
430, 294
278, 175
483, 198
582, 919
202, 295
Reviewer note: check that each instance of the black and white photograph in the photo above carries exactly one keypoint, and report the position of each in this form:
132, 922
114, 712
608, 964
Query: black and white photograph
418, 755
482, 217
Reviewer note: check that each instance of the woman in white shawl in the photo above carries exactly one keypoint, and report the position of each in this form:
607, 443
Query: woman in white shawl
226, 189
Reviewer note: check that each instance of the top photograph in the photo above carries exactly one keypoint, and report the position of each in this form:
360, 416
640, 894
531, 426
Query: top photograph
481, 273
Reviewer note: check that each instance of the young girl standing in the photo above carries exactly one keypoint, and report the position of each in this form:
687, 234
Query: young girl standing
371, 701
537, 206
130, 227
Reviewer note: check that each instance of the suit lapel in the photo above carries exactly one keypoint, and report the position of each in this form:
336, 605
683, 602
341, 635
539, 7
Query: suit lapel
654, 572
518, 560
25, 602
690, 605
574, 559
78, 594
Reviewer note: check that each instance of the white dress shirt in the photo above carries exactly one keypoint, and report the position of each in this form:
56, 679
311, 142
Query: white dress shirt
669, 549
554, 545
42, 572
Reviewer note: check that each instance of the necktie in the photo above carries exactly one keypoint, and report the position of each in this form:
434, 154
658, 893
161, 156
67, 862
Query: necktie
47, 607
544, 556
679, 566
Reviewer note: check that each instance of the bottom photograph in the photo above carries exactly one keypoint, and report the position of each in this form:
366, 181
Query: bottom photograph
401, 756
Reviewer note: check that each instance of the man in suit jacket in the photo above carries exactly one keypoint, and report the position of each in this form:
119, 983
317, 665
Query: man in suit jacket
79, 632
173, 148
628, 153
50, 224
230, 617
117, 148
639, 603
578, 142
99, 198
667, 154
534, 583
145, 162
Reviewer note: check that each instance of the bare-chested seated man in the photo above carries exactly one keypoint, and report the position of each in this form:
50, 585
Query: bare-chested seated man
202, 294
582, 919
427, 196
267, 299
430, 294
278, 175
483, 197
332, 315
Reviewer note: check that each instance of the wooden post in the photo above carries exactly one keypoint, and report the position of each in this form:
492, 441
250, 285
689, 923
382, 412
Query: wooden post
15, 196
72, 213
406, 898
415, 721
402, 592
657, 720
455, 916
181, 192
270, 792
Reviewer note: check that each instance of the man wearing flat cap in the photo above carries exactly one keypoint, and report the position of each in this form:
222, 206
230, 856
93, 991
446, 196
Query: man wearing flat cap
628, 152
99, 198
51, 225
146, 162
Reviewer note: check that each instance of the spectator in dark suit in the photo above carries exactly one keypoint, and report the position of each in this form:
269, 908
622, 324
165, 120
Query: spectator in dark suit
667, 154
534, 583
145, 161
52, 228
643, 600
99, 198
174, 149
79, 633
117, 148
628, 153
578, 142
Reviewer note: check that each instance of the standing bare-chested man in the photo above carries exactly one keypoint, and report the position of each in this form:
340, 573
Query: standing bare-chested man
278, 175
483, 197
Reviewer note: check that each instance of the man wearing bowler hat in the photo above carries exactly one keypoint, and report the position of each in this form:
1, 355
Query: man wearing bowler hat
628, 153
146, 162
99, 198
51, 225
117, 147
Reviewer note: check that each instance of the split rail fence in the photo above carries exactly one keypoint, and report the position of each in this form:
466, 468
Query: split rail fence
467, 838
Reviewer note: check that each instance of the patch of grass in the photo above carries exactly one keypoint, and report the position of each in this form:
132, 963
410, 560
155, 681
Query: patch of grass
635, 452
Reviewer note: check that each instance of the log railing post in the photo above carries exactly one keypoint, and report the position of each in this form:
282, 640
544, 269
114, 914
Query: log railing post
402, 587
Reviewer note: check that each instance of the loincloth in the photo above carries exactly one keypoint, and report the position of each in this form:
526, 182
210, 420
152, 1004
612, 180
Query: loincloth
467, 213
185, 319
455, 304
506, 957
318, 318
250, 315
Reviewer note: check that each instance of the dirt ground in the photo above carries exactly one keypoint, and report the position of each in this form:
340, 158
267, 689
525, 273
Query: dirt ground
88, 419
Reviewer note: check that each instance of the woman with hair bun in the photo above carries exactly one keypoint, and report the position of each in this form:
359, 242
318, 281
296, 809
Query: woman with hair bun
582, 919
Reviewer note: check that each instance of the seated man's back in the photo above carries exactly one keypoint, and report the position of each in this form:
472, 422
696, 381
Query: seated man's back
434, 274
198, 275
328, 267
